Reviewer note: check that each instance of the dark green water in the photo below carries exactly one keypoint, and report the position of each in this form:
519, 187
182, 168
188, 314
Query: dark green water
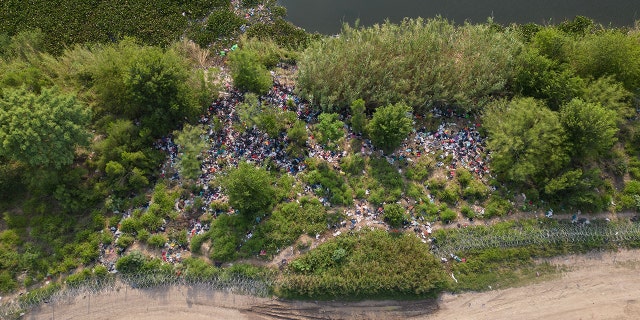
327, 16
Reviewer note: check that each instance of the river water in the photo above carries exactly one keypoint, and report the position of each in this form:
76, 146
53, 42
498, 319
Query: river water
327, 16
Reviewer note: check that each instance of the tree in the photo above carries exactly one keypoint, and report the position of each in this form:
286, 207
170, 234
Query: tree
330, 128
609, 53
131, 263
249, 109
389, 126
191, 144
250, 189
297, 135
542, 78
394, 215
590, 128
145, 85
612, 95
526, 140
42, 130
248, 73
358, 117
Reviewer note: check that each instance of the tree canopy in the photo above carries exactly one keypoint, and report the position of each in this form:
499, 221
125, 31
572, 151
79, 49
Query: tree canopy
590, 128
250, 189
248, 73
527, 141
389, 126
42, 130
144, 84
330, 128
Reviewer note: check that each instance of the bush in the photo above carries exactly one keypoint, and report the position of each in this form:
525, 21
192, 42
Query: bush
353, 164
129, 225
196, 243
248, 73
180, 237
496, 207
381, 69
143, 235
368, 264
124, 241
450, 194
7, 283
150, 221
468, 212
157, 240
463, 176
420, 169
448, 215
394, 215
476, 190
131, 263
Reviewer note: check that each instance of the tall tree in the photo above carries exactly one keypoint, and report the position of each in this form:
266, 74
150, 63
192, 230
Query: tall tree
145, 85
358, 117
591, 129
248, 73
330, 128
191, 146
389, 126
526, 140
42, 130
250, 190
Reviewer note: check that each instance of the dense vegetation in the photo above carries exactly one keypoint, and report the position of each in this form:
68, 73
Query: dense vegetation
88, 102
367, 264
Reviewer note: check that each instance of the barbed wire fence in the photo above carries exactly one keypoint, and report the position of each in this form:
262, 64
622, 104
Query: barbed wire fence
478, 239
114, 283
461, 240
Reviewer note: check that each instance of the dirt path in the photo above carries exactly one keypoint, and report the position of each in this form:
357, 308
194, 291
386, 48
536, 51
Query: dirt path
596, 286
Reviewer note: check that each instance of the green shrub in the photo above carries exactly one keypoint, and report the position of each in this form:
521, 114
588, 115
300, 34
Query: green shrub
131, 263
76, 280
420, 169
124, 241
197, 241
450, 194
468, 212
428, 210
157, 240
143, 235
129, 225
448, 215
198, 269
106, 238
416, 191
87, 252
353, 164
367, 264
463, 176
394, 215
632, 187
224, 248
475, 190
150, 221
248, 73
179, 237
7, 283
496, 207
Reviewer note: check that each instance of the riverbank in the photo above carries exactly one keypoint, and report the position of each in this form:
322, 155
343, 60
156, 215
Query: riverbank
598, 285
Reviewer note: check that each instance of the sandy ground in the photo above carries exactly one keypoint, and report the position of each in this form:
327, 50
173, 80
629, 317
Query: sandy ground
596, 286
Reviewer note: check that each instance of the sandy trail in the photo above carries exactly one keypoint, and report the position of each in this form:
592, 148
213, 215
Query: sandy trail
597, 286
